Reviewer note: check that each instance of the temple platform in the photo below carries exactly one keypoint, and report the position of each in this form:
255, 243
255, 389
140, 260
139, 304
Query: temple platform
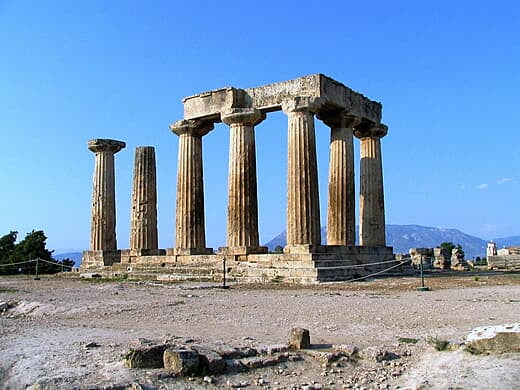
345, 263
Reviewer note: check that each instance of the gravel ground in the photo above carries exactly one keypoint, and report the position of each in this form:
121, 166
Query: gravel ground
43, 337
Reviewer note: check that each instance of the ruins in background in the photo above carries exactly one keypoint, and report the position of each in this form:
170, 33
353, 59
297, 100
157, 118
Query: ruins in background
505, 258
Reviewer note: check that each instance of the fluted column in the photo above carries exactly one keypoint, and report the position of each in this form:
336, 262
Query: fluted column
303, 211
242, 216
143, 221
341, 213
103, 225
372, 203
190, 237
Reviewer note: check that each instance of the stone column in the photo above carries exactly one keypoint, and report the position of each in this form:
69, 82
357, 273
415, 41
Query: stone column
372, 203
303, 211
242, 216
103, 226
190, 236
143, 221
341, 213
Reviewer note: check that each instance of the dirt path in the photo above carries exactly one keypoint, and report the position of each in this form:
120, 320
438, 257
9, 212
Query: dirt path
43, 338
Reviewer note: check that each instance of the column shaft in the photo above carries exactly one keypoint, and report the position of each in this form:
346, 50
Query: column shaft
372, 204
303, 212
190, 233
242, 217
341, 217
143, 230
103, 222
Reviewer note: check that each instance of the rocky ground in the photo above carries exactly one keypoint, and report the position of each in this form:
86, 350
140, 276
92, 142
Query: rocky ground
69, 333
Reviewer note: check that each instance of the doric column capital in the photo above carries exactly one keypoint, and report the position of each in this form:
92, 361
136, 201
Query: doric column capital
377, 130
304, 103
105, 145
245, 116
339, 119
194, 127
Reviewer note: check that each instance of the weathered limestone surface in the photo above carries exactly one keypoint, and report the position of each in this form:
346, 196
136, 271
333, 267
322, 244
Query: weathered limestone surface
103, 224
143, 229
372, 203
341, 213
335, 95
303, 212
242, 216
190, 236
304, 259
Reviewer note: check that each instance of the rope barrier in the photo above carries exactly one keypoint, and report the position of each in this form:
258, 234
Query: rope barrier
58, 264
21, 262
35, 260
375, 273
364, 265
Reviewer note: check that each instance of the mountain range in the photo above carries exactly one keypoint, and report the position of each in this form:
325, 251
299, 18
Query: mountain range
404, 237
401, 237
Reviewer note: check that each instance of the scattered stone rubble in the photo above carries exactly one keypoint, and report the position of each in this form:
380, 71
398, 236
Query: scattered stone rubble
212, 364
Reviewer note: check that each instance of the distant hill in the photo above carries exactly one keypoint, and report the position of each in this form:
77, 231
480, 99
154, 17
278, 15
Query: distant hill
507, 241
404, 237
75, 256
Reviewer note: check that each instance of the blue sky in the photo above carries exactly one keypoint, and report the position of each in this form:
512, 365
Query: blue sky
446, 72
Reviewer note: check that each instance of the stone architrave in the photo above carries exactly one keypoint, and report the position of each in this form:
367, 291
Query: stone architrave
103, 223
371, 202
190, 237
242, 215
303, 212
143, 221
341, 212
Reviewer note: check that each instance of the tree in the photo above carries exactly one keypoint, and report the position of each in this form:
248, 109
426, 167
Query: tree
448, 246
459, 247
7, 244
278, 249
32, 247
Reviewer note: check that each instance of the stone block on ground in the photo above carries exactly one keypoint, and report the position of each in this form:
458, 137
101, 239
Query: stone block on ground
349, 350
181, 361
146, 356
210, 362
299, 338
377, 354
495, 339
234, 365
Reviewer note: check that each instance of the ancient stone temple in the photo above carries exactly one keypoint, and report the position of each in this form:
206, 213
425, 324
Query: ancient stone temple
348, 114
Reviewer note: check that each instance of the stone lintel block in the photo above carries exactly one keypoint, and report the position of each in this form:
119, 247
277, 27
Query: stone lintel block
188, 251
337, 96
210, 104
303, 249
299, 338
241, 250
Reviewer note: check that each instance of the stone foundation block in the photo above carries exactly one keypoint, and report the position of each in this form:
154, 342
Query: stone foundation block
146, 357
181, 361
300, 338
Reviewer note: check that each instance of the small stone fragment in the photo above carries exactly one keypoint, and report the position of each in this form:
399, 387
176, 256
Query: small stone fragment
146, 357
181, 361
300, 338
92, 344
